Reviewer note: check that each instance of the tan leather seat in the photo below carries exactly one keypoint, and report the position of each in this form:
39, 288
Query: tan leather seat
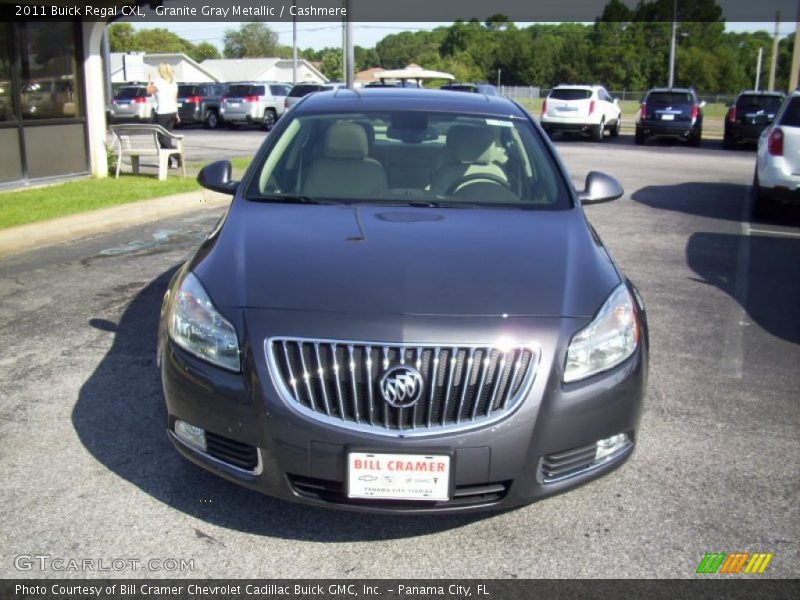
472, 149
344, 168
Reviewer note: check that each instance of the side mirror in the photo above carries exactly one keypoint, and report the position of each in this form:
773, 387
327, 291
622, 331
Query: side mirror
616, 100
703, 104
600, 188
217, 177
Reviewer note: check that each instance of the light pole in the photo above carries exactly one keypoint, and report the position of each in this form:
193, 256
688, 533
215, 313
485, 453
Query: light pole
672, 44
758, 67
294, 45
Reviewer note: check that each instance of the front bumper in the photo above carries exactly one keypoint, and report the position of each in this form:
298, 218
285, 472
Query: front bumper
501, 465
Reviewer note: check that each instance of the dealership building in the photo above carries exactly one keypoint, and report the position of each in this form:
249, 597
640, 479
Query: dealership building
53, 96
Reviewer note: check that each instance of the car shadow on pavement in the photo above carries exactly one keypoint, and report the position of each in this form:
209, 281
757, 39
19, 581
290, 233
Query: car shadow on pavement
762, 273
715, 200
120, 418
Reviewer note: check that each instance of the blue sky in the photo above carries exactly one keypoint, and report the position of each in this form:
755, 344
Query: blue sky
321, 35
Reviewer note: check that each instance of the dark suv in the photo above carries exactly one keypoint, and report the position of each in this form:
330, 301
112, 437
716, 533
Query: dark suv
671, 112
749, 115
199, 103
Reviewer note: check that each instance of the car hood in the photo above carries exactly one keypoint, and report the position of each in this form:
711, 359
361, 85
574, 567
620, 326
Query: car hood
406, 260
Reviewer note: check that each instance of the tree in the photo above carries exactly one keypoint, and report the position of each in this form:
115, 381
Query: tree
121, 37
203, 51
251, 40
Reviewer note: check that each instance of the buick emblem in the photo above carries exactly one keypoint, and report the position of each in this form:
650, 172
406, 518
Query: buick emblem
401, 386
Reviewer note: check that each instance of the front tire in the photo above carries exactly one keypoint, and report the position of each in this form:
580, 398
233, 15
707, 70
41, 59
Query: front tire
212, 120
597, 132
269, 119
614, 131
763, 206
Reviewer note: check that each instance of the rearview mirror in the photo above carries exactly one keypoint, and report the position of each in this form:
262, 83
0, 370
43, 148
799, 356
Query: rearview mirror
600, 188
217, 177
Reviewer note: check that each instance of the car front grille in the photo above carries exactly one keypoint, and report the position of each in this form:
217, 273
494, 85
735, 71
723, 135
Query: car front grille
334, 493
461, 386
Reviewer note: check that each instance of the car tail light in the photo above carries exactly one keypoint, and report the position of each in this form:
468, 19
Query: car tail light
139, 100
775, 142
544, 106
732, 113
644, 110
195, 99
251, 98
695, 111
223, 99
591, 107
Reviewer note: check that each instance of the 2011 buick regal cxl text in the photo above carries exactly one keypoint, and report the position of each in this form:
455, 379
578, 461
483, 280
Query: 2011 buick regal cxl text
404, 310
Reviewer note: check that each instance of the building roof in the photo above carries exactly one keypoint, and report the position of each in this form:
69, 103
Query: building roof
151, 60
251, 69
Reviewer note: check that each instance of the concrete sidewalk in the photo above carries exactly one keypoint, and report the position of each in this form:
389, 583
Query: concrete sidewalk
46, 233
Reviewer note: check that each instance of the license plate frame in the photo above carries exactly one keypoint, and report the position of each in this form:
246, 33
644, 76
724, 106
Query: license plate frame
381, 479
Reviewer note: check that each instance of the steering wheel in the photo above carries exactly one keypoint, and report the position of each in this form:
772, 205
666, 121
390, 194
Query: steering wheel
467, 180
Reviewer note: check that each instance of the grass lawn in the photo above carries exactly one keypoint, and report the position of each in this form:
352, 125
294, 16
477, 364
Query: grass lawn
59, 200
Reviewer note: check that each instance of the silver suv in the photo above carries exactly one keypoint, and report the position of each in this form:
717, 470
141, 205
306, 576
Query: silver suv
254, 103
131, 102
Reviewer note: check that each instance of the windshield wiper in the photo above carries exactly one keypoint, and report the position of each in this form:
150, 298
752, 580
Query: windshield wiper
290, 199
432, 204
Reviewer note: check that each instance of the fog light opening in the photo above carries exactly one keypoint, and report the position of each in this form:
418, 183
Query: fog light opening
191, 435
610, 446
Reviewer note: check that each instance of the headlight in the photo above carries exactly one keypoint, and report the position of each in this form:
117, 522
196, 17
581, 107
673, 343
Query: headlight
197, 327
607, 341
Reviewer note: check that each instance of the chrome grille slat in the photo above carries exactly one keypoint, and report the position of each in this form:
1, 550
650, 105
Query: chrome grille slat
462, 386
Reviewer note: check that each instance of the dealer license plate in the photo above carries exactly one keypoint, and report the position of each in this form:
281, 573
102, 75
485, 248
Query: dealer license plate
667, 117
398, 476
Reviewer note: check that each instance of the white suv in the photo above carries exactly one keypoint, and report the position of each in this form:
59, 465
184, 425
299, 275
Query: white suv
777, 177
582, 108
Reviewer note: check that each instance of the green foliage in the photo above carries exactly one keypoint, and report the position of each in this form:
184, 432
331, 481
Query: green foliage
203, 51
251, 40
122, 37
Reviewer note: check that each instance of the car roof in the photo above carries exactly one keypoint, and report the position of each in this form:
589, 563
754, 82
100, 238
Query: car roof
680, 90
408, 99
577, 86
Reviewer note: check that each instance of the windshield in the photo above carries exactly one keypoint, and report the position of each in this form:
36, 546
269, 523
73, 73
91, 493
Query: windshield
187, 90
757, 102
131, 92
299, 91
410, 157
669, 98
571, 94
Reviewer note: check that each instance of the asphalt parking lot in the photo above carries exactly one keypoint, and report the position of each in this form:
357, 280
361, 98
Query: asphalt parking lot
89, 473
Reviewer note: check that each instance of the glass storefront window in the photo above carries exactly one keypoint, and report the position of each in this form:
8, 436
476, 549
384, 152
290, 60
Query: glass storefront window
49, 86
6, 99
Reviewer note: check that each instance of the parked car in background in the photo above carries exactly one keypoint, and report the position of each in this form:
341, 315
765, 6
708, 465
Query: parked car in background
749, 115
476, 88
304, 89
253, 103
200, 103
675, 113
581, 108
327, 346
131, 103
777, 177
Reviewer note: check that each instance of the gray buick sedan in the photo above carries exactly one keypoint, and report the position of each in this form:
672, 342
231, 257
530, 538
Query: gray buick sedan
404, 310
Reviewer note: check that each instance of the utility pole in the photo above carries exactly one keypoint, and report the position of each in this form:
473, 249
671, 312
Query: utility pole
758, 67
774, 62
672, 43
498, 78
350, 59
294, 44
795, 53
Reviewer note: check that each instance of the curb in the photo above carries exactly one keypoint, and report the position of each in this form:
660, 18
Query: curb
54, 231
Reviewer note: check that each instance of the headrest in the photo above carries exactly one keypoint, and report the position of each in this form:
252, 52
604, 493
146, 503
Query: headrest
346, 140
469, 144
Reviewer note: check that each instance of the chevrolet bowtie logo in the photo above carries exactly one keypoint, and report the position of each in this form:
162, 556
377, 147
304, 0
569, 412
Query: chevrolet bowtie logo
401, 386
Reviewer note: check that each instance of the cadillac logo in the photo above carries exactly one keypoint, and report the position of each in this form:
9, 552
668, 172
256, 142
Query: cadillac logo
401, 386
